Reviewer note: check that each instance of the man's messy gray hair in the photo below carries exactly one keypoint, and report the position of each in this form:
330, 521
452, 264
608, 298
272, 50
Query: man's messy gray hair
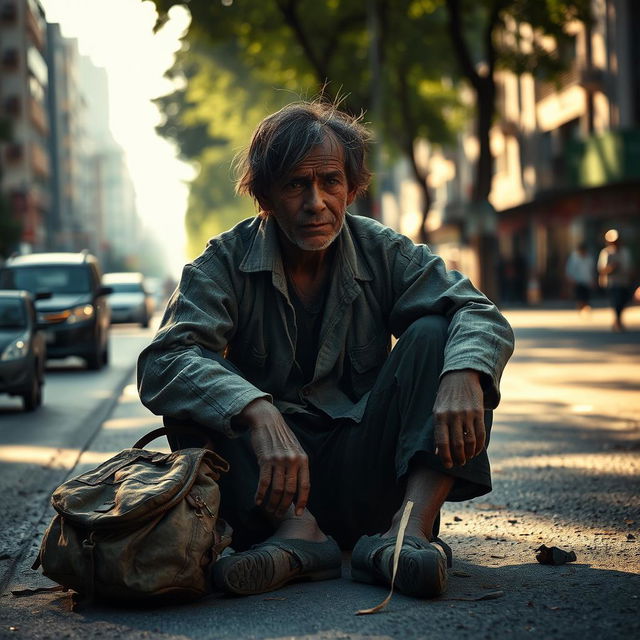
283, 139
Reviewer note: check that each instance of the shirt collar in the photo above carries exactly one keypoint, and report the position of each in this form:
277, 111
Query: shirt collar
264, 252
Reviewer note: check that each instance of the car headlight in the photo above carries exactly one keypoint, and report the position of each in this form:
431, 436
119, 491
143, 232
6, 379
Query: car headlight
78, 314
16, 349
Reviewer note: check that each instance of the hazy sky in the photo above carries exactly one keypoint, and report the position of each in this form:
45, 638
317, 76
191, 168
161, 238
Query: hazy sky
117, 35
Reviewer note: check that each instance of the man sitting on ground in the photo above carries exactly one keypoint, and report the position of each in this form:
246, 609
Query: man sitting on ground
277, 342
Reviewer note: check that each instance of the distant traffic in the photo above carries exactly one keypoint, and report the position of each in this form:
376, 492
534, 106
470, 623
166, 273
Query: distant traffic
55, 305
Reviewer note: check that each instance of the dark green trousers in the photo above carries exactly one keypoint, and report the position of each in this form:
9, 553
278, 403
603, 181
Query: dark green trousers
359, 470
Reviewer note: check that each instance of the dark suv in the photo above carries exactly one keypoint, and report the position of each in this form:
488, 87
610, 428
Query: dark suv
75, 317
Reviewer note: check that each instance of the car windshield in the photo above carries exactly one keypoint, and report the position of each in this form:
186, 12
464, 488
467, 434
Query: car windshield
54, 278
125, 287
12, 314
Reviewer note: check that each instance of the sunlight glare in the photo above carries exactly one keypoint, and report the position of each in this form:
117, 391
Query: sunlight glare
118, 35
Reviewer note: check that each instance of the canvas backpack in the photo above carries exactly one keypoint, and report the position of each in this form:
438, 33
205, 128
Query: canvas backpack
142, 526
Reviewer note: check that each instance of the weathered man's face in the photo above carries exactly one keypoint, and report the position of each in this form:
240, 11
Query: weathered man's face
310, 204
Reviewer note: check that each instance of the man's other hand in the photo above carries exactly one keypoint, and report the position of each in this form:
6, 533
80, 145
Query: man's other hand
284, 466
459, 417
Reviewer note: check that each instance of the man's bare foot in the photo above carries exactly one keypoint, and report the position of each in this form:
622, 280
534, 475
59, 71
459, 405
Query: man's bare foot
302, 527
427, 490
415, 527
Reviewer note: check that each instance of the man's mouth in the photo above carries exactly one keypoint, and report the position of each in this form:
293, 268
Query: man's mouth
314, 227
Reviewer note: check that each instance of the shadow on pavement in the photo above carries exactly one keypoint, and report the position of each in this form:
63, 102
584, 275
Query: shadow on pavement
564, 601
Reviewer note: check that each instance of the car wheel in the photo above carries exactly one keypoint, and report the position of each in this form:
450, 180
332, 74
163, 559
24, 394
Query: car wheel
95, 359
145, 322
105, 354
33, 398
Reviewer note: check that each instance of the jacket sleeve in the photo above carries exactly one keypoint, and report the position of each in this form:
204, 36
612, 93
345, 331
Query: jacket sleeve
479, 337
176, 375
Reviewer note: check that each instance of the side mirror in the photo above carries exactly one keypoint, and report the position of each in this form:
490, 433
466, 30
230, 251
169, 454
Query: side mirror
43, 295
105, 291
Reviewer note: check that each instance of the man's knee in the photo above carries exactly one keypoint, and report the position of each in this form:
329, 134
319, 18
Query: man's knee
431, 329
420, 349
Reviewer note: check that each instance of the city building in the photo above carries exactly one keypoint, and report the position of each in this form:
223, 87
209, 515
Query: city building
109, 195
68, 226
25, 168
567, 154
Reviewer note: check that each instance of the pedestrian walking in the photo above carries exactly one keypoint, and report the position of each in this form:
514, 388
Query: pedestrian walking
614, 267
277, 342
580, 271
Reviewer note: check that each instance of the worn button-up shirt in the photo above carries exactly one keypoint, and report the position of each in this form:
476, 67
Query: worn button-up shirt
233, 301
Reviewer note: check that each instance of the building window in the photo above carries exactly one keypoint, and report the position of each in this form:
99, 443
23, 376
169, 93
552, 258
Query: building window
8, 13
10, 59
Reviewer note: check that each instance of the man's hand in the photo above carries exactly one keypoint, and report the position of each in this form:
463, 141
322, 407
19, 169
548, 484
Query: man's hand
459, 417
284, 466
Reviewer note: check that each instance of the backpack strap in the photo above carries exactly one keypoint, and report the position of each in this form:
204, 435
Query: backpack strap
176, 431
88, 547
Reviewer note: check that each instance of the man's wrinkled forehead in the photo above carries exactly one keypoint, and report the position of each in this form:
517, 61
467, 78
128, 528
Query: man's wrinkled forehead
328, 153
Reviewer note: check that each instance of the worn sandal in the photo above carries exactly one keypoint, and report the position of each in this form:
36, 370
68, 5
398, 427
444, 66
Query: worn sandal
422, 566
276, 562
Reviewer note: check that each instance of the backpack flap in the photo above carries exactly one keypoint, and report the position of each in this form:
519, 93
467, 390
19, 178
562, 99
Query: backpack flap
133, 486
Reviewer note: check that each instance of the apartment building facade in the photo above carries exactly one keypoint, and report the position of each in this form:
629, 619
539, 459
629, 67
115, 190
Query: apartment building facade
63, 177
567, 154
25, 166
68, 225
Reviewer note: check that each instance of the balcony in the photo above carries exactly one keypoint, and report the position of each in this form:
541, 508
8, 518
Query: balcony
36, 29
568, 78
38, 117
39, 161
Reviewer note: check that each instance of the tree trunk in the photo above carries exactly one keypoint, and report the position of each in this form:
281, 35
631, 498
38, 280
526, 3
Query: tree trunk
427, 199
485, 104
482, 236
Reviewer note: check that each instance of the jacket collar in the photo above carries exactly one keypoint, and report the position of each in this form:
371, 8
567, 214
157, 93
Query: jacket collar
264, 252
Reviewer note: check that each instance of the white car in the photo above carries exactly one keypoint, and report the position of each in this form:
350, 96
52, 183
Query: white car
129, 300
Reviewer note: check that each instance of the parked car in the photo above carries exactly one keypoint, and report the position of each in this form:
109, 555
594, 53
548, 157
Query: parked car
75, 317
23, 351
129, 300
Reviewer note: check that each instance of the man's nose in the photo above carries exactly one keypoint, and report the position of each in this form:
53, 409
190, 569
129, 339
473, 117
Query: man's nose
314, 201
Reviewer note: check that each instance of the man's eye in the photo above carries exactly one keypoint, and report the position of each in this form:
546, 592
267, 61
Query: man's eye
293, 185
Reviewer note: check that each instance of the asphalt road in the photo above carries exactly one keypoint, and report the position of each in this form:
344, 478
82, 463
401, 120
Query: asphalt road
565, 451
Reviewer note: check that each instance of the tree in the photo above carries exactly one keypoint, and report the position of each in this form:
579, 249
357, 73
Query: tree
474, 28
210, 116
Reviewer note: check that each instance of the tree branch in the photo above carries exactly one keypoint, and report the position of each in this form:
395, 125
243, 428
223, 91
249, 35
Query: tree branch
289, 11
409, 135
355, 19
490, 48
460, 45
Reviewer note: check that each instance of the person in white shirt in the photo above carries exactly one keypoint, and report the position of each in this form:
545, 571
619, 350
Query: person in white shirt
580, 271
614, 267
